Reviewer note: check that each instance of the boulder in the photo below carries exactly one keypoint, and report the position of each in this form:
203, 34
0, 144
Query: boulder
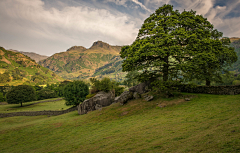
148, 97
136, 95
141, 88
101, 99
124, 97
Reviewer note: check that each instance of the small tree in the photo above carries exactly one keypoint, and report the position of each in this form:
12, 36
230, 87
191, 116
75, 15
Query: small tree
2, 98
75, 92
46, 94
21, 94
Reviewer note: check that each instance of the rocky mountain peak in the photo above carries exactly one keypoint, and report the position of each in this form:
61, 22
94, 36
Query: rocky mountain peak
80, 48
101, 45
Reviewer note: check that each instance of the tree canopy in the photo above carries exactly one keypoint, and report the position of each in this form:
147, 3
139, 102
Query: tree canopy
171, 45
75, 92
21, 94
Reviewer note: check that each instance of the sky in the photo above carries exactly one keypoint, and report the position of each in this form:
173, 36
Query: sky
52, 26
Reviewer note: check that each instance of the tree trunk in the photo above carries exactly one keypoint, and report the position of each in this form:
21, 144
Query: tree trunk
208, 82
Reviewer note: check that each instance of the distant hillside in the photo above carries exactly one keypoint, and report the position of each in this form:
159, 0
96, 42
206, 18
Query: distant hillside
32, 55
78, 62
236, 65
234, 39
16, 68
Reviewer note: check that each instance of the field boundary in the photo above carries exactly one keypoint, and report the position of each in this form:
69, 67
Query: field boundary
38, 113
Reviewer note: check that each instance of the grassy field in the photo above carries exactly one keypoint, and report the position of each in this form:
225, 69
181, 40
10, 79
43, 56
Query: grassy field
207, 123
30, 106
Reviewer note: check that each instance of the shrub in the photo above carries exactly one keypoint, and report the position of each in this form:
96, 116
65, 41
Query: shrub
20, 94
2, 98
105, 85
46, 94
236, 82
75, 92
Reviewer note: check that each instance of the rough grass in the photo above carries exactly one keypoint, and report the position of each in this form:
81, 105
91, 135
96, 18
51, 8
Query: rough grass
31, 106
208, 123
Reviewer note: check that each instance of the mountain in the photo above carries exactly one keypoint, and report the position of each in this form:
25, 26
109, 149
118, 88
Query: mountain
17, 68
232, 39
32, 55
79, 62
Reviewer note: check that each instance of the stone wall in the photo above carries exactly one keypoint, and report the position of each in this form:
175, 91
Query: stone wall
217, 90
37, 113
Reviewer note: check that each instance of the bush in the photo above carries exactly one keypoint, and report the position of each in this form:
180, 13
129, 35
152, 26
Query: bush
46, 94
105, 85
75, 92
20, 94
236, 82
2, 98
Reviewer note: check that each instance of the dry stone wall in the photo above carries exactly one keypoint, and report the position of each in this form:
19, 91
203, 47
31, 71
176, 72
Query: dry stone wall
37, 113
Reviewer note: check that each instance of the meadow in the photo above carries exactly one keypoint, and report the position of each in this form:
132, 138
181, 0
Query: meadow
207, 123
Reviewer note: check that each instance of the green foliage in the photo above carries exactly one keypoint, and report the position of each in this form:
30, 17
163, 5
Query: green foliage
2, 97
75, 92
177, 46
131, 78
5, 77
236, 82
21, 94
46, 94
106, 84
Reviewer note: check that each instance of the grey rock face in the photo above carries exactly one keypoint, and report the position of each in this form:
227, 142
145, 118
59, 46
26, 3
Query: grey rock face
140, 88
124, 97
100, 100
148, 97
136, 95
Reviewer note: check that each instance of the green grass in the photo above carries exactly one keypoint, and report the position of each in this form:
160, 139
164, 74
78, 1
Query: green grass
30, 106
208, 123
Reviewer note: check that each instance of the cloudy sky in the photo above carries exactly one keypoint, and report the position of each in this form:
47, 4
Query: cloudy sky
50, 26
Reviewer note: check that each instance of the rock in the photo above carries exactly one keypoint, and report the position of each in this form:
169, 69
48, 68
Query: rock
140, 88
187, 99
124, 97
148, 97
98, 107
136, 95
100, 100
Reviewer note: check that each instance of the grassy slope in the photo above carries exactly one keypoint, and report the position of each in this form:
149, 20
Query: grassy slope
14, 60
209, 123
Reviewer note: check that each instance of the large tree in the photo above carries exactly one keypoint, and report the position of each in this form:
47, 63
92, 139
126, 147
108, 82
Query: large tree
167, 43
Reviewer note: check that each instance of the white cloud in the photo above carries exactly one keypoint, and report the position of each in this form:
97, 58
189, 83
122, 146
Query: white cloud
142, 6
67, 24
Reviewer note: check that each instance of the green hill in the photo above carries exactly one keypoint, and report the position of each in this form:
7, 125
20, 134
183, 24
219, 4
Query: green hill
78, 62
207, 123
16, 68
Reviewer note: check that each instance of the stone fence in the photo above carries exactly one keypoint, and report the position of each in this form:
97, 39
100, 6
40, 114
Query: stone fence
37, 113
217, 90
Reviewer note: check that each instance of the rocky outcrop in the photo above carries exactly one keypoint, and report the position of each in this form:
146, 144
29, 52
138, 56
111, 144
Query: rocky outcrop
101, 99
124, 97
140, 88
134, 92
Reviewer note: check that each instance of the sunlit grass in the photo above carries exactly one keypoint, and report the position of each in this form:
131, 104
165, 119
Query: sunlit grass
31, 106
208, 123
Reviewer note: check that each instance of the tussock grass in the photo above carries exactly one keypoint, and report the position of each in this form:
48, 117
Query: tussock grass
208, 123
